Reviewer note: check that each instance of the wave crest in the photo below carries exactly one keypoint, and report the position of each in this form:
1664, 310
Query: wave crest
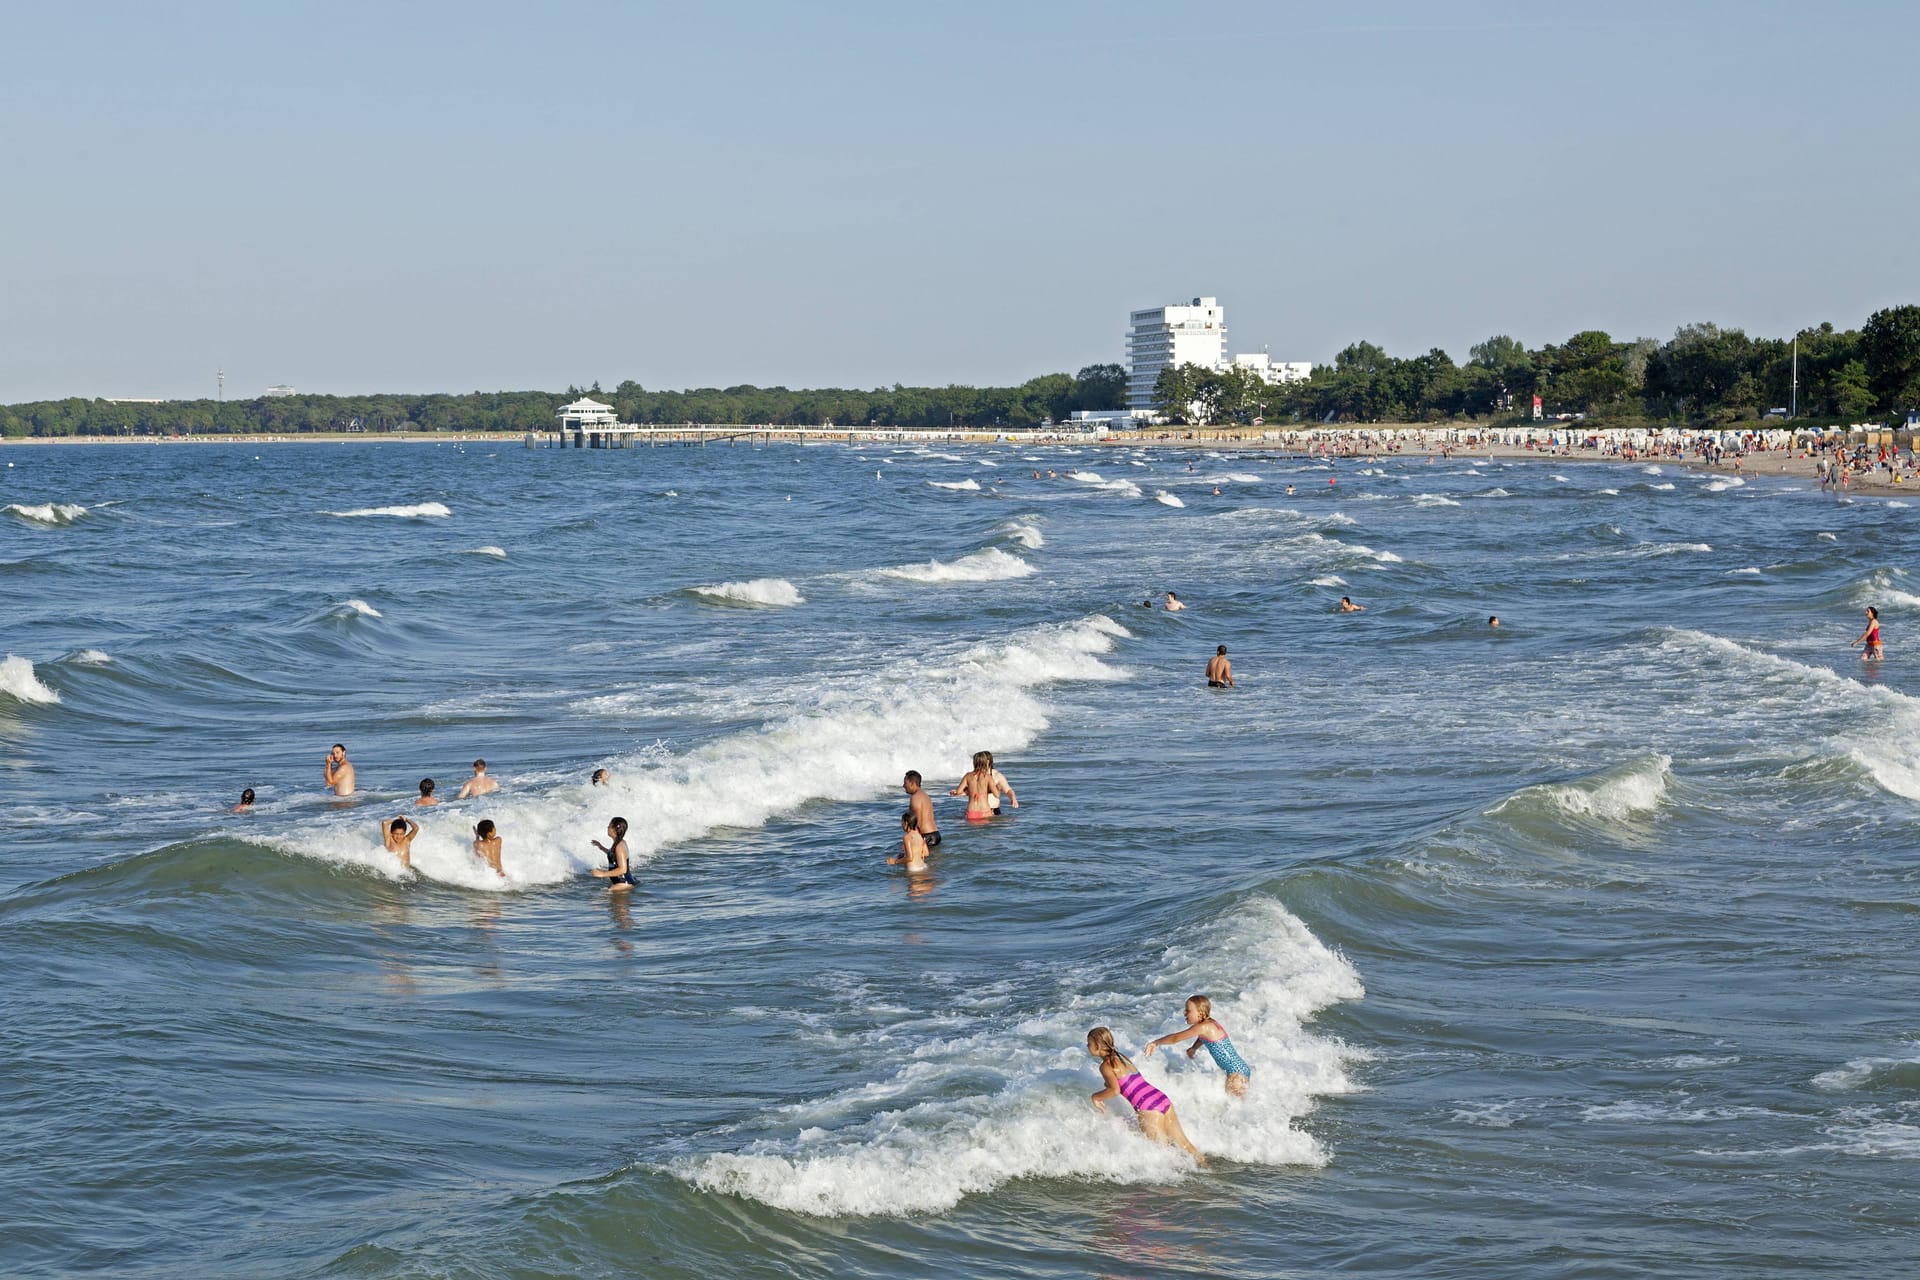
773, 593
18, 681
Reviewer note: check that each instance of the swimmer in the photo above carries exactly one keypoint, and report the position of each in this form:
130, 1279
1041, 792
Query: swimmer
920, 805
913, 847
1494, 621
1203, 1030
1289, 491
1347, 605
601, 777
616, 869
398, 837
426, 793
337, 772
1147, 603
479, 784
486, 843
1870, 639
1216, 491
1219, 670
1173, 603
997, 783
1122, 1079
1036, 475
246, 802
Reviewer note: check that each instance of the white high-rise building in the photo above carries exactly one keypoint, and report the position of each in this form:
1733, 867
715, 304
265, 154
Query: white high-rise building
1163, 336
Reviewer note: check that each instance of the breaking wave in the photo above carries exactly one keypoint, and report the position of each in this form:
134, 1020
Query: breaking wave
418, 511
772, 593
18, 681
990, 564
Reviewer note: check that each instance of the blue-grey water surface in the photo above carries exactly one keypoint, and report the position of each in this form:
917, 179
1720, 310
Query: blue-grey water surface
1584, 947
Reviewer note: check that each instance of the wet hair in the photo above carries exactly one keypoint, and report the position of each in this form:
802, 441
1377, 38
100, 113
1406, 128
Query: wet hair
1204, 1005
246, 796
339, 746
1222, 651
1494, 621
908, 822
1873, 613
479, 764
484, 828
989, 757
426, 786
1346, 599
601, 775
619, 828
398, 826
981, 759
1100, 1040
913, 775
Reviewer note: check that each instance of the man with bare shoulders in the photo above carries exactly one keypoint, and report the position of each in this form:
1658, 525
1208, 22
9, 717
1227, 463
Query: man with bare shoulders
338, 773
479, 784
1219, 670
920, 805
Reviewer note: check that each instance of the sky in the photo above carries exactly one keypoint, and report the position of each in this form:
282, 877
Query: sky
387, 197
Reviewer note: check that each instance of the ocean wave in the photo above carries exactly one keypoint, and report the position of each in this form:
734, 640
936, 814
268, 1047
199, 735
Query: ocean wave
1871, 1073
1162, 496
18, 681
853, 747
360, 607
1652, 471
1724, 484
1433, 500
763, 592
1494, 493
1611, 493
1616, 795
418, 511
1006, 1099
90, 658
1667, 548
989, 564
47, 513
1752, 571
968, 485
1329, 580
1098, 481
1023, 532
1562, 479
1662, 488
1243, 477
496, 552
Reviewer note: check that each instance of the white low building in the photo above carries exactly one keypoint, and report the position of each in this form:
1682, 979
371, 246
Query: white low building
1274, 372
586, 415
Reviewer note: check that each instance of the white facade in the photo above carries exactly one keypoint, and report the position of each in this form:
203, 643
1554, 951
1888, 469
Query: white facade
1161, 336
586, 415
1274, 372
277, 392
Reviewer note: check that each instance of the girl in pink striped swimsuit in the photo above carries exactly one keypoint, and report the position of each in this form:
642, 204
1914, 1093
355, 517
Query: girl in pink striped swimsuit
1122, 1079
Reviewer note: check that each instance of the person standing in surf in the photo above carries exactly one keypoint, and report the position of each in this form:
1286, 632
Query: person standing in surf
977, 786
997, 785
913, 848
426, 793
479, 784
1869, 640
398, 836
617, 869
1219, 670
1203, 1030
337, 771
920, 806
1121, 1079
486, 844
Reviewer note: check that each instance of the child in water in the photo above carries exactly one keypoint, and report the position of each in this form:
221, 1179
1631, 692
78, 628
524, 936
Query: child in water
616, 869
398, 837
913, 845
486, 843
1122, 1079
1203, 1030
246, 802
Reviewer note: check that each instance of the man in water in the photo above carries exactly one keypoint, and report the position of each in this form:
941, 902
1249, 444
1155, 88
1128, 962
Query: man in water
1173, 603
920, 805
338, 773
479, 784
426, 793
1494, 621
1219, 670
1347, 605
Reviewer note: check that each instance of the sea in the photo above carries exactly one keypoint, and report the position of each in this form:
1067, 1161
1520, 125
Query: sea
1583, 946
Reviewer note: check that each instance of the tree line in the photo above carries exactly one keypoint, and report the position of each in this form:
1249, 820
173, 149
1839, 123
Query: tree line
1051, 397
1702, 375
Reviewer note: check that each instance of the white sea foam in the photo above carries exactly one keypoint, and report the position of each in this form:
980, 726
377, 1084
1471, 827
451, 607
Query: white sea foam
1826, 537
1384, 557
1433, 500
1895, 502
49, 513
990, 564
1752, 571
1023, 532
1860, 1073
1496, 493
362, 608
773, 593
1338, 518
1652, 471
1098, 481
418, 511
1617, 795
496, 552
1664, 488
1162, 496
1724, 484
1329, 580
1563, 479
1243, 477
1005, 1099
852, 746
90, 658
1665, 549
968, 485
17, 681
1611, 493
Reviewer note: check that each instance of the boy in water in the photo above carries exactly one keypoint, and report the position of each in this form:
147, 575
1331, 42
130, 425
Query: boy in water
398, 837
486, 843
426, 793
479, 784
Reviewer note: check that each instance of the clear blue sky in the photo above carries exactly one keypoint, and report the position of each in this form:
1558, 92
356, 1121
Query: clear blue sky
424, 196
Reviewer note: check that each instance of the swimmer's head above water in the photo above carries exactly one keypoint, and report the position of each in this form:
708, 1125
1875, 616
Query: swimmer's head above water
601, 777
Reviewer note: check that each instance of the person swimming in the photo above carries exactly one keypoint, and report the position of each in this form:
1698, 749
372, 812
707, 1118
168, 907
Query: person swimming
398, 836
1347, 605
617, 869
1120, 1078
486, 844
601, 778
1173, 603
1204, 1031
246, 802
426, 793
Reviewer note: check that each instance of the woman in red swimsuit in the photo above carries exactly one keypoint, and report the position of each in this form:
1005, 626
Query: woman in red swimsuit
1870, 641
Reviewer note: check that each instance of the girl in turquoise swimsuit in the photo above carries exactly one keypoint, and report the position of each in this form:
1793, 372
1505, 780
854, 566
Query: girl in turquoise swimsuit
1204, 1031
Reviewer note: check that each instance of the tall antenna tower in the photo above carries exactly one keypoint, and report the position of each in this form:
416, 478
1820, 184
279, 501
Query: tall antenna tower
220, 381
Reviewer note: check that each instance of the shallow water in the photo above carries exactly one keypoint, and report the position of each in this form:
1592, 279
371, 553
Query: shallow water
1585, 947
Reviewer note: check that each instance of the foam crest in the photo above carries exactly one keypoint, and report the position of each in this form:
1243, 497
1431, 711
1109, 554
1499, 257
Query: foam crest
1023, 532
1562, 479
1329, 580
1496, 492
17, 681
989, 564
1618, 795
362, 608
770, 593
1722, 485
47, 513
496, 552
1433, 500
1167, 499
853, 745
1877, 1073
1663, 488
90, 658
1007, 1099
1098, 481
1243, 477
418, 511
968, 485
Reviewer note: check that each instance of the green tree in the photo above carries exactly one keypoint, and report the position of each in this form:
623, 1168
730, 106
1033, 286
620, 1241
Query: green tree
1852, 397
1890, 344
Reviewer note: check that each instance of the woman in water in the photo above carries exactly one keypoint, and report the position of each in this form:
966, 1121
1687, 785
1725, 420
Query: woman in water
1203, 1030
486, 843
1870, 638
978, 788
997, 784
1122, 1079
616, 869
913, 845
246, 802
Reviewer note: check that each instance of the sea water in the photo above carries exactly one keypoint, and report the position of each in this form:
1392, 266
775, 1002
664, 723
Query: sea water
1583, 946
